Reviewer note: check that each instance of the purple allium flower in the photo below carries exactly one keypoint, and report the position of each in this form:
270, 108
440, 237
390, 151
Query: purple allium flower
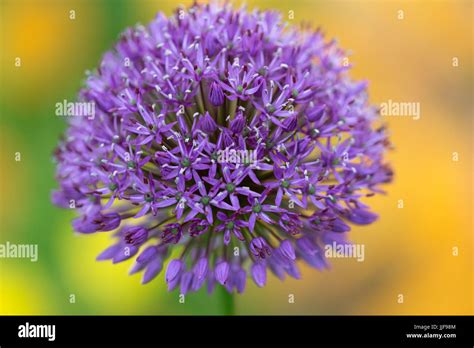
260, 248
225, 134
136, 235
172, 233
222, 272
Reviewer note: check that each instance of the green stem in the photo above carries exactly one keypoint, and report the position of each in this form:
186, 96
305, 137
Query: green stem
228, 303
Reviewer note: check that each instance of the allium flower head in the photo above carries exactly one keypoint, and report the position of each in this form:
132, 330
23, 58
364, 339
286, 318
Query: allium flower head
225, 134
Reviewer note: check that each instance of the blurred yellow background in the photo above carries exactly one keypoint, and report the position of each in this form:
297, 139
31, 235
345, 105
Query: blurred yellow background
408, 251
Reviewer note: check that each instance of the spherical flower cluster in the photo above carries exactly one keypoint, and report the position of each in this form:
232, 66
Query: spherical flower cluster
226, 138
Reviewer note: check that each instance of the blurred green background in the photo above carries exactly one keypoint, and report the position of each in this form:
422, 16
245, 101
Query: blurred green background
408, 251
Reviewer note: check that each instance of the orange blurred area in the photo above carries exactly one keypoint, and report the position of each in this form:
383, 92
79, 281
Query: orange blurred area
420, 248
41, 42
